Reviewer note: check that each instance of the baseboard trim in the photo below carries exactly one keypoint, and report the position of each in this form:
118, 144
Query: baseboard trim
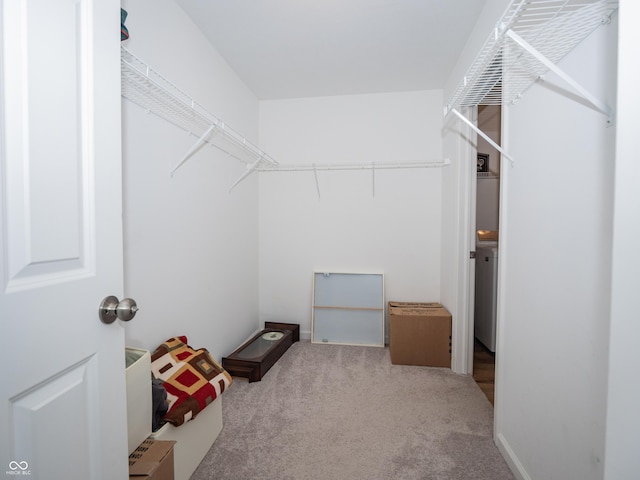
511, 458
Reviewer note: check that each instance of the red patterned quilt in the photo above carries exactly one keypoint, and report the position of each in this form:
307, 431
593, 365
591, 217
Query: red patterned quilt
192, 378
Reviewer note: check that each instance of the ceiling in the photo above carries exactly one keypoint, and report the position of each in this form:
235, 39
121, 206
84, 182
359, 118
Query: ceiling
310, 48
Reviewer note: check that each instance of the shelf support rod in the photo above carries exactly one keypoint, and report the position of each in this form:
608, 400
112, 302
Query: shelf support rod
482, 134
315, 174
593, 100
373, 178
196, 146
249, 171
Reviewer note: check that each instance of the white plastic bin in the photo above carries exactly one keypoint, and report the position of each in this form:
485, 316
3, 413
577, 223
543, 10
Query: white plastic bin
193, 438
138, 364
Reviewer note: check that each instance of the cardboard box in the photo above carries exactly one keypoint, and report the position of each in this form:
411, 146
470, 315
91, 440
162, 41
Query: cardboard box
139, 416
419, 334
152, 460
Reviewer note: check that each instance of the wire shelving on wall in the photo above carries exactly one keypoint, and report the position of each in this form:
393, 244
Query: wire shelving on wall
145, 87
529, 40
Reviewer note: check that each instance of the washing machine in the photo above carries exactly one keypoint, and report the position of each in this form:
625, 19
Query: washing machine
486, 293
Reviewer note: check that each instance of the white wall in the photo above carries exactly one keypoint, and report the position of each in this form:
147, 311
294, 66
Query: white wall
191, 251
555, 260
347, 228
623, 415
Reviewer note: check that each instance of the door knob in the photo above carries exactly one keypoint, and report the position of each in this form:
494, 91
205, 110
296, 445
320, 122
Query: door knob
111, 308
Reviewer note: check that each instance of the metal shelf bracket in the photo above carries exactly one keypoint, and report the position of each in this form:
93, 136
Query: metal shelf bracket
196, 146
482, 134
373, 179
315, 175
592, 99
250, 169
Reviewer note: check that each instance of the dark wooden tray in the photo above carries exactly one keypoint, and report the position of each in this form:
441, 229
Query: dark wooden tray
256, 356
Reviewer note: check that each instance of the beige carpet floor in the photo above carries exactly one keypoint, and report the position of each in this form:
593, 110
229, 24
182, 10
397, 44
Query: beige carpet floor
332, 412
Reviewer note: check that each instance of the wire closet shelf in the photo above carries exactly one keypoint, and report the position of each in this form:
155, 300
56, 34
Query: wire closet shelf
151, 91
148, 89
531, 37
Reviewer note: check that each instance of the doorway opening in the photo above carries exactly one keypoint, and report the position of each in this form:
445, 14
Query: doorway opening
487, 248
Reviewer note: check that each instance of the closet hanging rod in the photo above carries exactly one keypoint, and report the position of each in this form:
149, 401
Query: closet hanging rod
352, 166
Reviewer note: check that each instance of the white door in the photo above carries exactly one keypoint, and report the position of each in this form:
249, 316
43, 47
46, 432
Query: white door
62, 382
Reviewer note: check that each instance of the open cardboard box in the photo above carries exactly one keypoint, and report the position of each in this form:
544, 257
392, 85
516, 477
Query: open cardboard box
152, 460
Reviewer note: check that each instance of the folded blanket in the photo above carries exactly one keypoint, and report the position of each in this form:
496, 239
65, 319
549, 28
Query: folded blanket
192, 378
